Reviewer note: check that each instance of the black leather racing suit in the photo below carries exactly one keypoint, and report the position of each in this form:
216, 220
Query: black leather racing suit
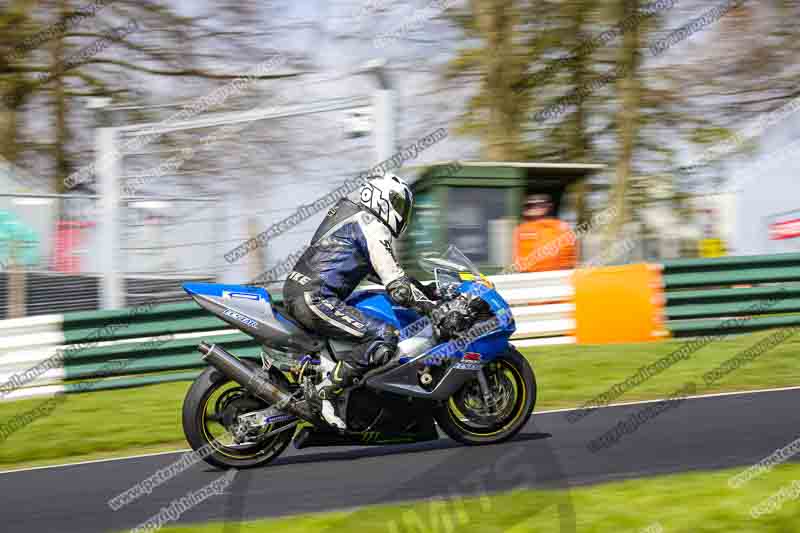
350, 245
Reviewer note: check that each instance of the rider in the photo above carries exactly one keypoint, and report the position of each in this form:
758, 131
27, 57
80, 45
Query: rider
354, 242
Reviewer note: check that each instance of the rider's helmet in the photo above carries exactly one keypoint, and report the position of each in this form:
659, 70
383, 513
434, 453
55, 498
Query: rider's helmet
390, 199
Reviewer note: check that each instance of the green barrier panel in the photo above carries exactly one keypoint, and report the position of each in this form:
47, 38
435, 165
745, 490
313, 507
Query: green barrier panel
145, 347
764, 307
184, 317
711, 306
189, 358
103, 317
753, 294
142, 328
80, 318
127, 383
727, 326
145, 353
733, 262
731, 277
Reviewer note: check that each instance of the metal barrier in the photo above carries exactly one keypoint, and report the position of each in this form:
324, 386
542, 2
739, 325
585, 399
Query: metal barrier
732, 294
543, 304
157, 343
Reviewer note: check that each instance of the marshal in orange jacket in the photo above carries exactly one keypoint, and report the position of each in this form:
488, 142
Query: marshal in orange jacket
544, 244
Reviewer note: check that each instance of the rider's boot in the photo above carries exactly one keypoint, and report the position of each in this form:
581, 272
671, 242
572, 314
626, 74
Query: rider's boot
330, 390
344, 376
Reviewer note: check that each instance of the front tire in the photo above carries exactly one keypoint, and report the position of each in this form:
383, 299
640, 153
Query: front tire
211, 403
466, 418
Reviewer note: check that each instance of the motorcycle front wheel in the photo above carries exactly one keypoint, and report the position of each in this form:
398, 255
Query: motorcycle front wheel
469, 418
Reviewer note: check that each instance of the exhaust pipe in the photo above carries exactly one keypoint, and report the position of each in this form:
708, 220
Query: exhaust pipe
250, 380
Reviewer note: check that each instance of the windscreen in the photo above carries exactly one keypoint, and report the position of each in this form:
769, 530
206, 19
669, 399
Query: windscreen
446, 267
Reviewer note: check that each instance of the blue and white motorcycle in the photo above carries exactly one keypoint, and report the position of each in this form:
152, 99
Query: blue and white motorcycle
472, 382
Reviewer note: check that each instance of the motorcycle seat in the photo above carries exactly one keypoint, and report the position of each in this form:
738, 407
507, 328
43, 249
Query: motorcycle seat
280, 310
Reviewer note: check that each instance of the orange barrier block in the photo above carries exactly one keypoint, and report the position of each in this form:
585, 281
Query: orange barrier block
619, 304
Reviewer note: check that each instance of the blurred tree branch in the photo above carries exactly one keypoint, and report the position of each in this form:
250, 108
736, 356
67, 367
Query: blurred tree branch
168, 45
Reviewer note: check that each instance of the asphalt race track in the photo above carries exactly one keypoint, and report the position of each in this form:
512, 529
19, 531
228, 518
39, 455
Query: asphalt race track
702, 433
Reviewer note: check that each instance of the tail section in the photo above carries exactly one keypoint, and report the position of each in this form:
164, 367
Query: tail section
250, 309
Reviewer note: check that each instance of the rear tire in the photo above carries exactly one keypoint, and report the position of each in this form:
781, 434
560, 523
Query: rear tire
197, 421
464, 416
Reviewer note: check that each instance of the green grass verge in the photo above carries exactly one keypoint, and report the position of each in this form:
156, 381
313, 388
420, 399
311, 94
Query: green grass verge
568, 376
129, 421
97, 424
686, 503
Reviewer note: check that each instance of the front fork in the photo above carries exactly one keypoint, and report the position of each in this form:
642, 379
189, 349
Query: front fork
488, 398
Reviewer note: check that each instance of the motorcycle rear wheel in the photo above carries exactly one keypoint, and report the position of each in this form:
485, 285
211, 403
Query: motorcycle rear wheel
213, 401
466, 418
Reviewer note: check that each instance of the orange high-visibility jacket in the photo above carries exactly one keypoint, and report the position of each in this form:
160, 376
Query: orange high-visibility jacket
544, 244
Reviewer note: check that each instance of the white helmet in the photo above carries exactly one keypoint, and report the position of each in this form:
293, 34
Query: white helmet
389, 198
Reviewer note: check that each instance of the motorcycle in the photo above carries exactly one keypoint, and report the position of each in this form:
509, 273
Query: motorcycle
466, 377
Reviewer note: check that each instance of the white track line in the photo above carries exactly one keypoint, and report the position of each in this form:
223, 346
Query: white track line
640, 402
699, 396
92, 461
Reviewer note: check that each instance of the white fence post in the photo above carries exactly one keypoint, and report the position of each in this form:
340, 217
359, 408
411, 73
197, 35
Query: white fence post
107, 172
384, 124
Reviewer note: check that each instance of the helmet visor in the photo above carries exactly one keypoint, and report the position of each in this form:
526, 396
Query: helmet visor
401, 204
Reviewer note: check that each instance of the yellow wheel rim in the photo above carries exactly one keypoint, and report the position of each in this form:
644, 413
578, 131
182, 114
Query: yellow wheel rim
520, 398
212, 440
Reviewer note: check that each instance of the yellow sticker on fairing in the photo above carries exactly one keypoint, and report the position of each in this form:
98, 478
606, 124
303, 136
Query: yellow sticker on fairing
468, 276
